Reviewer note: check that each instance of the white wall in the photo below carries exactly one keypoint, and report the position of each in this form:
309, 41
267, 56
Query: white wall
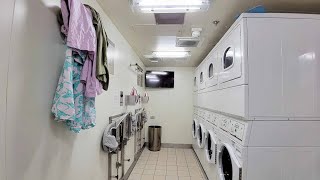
6, 21
37, 147
173, 108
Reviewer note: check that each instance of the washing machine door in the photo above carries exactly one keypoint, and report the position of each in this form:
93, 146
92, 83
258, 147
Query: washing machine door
229, 167
211, 147
201, 135
194, 128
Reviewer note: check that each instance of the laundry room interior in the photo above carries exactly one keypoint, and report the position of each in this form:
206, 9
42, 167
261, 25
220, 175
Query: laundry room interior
160, 90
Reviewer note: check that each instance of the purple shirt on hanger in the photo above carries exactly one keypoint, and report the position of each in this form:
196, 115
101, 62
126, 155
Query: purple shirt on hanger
81, 35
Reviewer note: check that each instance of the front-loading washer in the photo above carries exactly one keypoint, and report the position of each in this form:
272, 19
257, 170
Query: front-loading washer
229, 162
195, 125
211, 146
201, 135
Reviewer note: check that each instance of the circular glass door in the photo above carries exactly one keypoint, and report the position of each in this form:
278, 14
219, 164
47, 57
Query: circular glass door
200, 136
209, 147
228, 58
226, 164
194, 127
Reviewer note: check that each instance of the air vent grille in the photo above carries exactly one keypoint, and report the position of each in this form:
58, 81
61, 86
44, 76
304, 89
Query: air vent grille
187, 42
169, 18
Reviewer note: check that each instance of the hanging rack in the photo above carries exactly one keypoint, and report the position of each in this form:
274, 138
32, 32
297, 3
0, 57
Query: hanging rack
138, 67
117, 120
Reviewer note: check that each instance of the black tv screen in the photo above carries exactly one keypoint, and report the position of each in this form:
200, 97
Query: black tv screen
159, 79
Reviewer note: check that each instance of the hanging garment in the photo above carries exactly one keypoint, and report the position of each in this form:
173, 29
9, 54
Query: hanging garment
102, 72
81, 35
109, 141
69, 104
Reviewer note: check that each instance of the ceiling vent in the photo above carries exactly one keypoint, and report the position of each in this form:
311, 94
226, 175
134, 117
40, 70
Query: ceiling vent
187, 42
169, 18
190, 41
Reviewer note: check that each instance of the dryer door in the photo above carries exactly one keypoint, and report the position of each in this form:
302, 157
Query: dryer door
211, 147
212, 70
231, 57
201, 135
229, 167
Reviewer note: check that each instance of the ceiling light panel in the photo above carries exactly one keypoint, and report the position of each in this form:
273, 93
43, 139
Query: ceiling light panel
169, 6
171, 54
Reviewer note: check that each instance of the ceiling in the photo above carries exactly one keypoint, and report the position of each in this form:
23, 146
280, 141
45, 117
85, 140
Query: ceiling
145, 36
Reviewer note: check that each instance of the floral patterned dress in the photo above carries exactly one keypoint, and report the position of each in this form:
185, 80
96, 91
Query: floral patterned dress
69, 104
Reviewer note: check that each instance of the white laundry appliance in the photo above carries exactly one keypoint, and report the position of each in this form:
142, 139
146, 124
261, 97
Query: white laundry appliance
205, 144
266, 65
195, 129
264, 150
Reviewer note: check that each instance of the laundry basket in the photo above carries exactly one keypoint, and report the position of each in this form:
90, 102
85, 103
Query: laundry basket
154, 135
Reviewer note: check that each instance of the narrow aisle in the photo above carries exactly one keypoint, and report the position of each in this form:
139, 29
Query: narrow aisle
167, 164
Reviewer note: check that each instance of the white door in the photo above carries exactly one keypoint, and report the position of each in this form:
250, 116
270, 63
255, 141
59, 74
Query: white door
231, 59
201, 135
212, 67
202, 76
211, 147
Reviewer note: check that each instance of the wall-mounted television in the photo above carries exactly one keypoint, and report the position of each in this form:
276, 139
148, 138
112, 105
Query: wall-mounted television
159, 79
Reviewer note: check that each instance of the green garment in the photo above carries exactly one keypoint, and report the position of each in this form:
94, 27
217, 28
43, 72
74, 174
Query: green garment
102, 72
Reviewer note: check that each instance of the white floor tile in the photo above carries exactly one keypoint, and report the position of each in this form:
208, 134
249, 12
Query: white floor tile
168, 164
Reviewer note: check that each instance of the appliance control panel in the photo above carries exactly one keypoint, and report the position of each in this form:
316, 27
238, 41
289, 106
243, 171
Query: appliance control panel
234, 127
225, 124
237, 129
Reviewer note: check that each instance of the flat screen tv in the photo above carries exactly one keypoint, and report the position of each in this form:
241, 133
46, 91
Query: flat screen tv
159, 79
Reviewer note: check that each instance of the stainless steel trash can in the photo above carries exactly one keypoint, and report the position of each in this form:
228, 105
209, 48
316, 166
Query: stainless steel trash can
154, 135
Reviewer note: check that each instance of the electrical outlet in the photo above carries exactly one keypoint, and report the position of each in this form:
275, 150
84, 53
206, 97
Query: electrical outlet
121, 98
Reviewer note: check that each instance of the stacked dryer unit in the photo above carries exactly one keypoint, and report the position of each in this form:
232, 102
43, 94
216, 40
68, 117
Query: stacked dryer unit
262, 83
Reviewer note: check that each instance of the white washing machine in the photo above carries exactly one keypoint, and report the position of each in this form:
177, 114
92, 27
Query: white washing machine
195, 128
229, 158
210, 147
206, 142
201, 134
264, 150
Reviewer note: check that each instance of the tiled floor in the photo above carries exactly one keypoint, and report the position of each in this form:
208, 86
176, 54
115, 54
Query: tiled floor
167, 164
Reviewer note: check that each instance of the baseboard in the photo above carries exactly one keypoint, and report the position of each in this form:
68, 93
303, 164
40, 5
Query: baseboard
203, 172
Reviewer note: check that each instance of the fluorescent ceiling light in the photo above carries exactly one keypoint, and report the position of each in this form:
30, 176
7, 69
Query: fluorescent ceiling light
171, 54
159, 72
170, 6
169, 2
175, 9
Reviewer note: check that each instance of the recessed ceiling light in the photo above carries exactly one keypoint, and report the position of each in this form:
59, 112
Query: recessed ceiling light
169, 6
